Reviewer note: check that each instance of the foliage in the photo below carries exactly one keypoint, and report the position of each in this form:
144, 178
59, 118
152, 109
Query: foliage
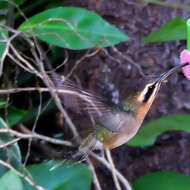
10, 181
73, 28
3, 33
162, 180
4, 3
67, 176
2, 105
14, 114
147, 134
175, 29
12, 153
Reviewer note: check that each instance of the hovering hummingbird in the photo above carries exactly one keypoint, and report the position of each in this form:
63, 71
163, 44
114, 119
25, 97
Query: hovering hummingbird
116, 124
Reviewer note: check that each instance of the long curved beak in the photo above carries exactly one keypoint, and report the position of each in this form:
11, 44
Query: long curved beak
165, 75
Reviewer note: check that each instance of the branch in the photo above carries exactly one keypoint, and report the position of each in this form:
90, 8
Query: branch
9, 143
119, 175
95, 178
36, 136
115, 179
37, 187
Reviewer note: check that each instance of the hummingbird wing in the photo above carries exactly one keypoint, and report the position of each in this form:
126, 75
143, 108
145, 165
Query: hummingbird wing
79, 100
112, 121
83, 100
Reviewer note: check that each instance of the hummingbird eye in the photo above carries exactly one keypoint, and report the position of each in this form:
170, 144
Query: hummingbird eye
149, 92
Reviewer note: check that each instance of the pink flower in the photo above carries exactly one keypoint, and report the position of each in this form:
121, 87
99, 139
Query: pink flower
185, 58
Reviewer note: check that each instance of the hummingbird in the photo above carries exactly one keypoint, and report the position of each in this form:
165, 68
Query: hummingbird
115, 124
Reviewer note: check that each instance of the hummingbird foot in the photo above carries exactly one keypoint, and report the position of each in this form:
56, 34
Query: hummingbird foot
89, 144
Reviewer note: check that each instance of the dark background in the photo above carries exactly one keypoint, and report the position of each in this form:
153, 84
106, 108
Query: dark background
114, 77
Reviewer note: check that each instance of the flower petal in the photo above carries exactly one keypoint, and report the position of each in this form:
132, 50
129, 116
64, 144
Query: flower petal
185, 58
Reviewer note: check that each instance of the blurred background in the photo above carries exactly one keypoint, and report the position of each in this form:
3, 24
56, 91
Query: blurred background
114, 73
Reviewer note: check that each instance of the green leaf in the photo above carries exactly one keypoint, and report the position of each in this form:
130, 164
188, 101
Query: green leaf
3, 4
15, 115
20, 2
2, 104
54, 4
10, 154
30, 117
162, 181
73, 28
11, 181
147, 134
3, 32
175, 29
67, 176
2, 123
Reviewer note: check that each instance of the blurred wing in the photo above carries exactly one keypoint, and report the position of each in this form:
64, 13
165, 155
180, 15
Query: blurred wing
79, 100
112, 121
84, 100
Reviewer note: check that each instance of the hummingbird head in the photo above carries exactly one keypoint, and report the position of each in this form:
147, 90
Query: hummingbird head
151, 89
144, 98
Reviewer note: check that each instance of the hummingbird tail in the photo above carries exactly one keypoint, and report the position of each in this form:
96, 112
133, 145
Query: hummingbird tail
88, 143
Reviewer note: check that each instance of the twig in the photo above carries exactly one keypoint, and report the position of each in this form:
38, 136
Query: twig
87, 54
84, 96
62, 64
129, 60
95, 178
36, 136
48, 82
120, 176
69, 26
7, 49
33, 131
20, 64
9, 143
26, 66
108, 154
22, 59
37, 187
60, 107
110, 56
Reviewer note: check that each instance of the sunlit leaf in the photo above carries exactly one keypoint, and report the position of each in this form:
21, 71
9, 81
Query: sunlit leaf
175, 29
67, 176
147, 134
73, 28
163, 181
10, 181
